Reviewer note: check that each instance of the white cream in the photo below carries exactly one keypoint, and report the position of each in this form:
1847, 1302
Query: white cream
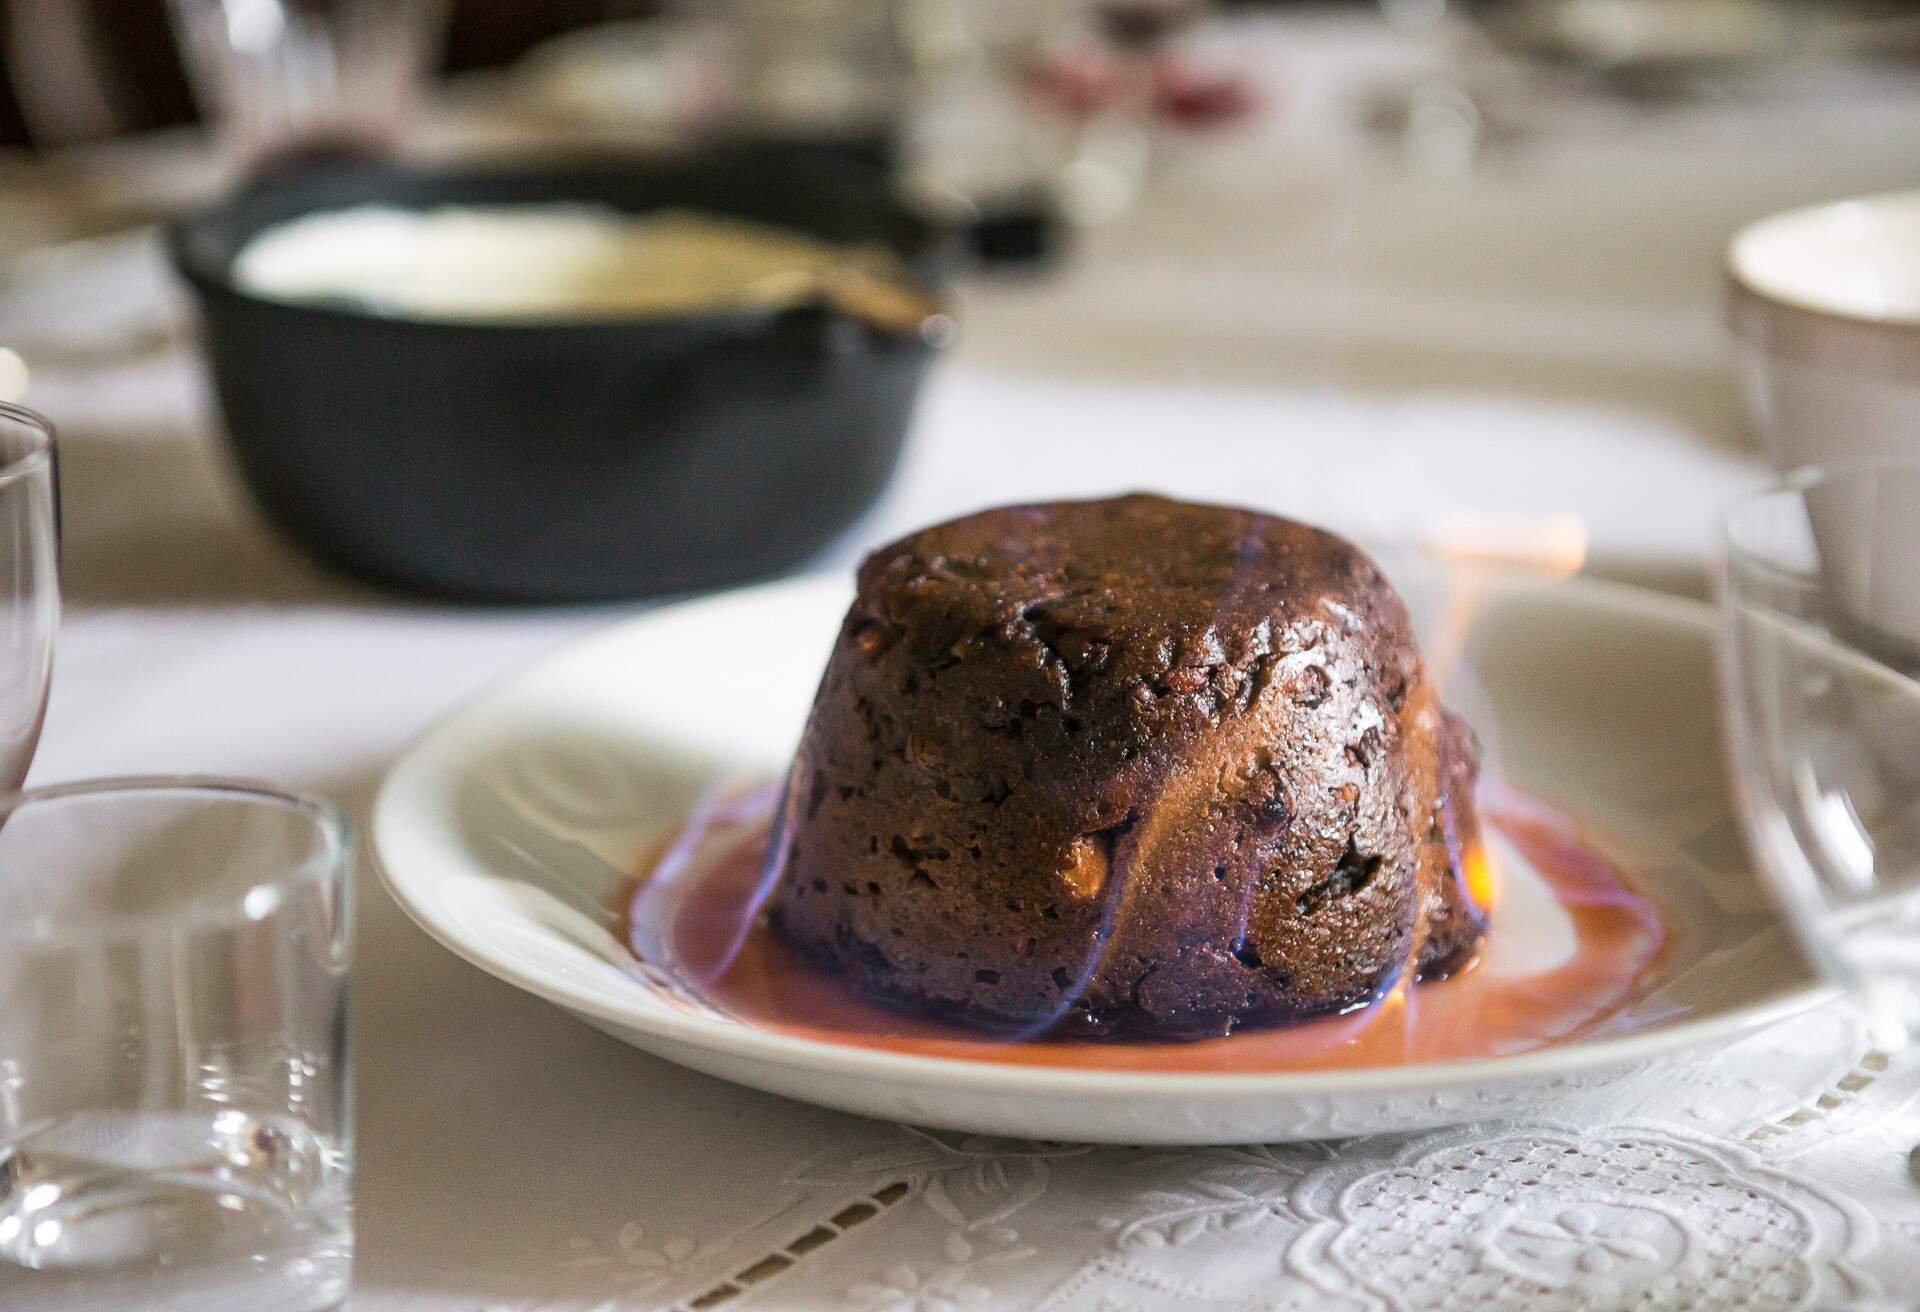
536, 261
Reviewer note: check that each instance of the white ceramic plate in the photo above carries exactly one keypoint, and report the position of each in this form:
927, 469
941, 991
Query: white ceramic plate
509, 833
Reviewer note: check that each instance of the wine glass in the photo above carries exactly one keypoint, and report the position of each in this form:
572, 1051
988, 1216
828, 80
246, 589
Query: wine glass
29, 585
1820, 671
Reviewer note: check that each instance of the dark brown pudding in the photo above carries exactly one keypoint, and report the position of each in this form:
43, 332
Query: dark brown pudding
1128, 765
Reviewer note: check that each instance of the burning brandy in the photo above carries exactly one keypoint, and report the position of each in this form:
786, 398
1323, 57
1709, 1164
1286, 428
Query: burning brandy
1575, 943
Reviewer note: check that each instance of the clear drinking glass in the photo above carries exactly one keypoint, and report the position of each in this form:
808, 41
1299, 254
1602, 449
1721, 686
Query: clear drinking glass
1820, 658
29, 586
288, 75
174, 1083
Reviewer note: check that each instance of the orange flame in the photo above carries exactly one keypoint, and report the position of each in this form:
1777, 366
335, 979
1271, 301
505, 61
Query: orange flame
1482, 877
1552, 544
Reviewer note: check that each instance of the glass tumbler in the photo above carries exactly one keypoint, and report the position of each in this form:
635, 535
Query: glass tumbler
281, 76
1820, 671
174, 1082
29, 587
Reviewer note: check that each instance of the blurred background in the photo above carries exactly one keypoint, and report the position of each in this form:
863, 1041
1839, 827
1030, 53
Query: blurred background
88, 69
1444, 274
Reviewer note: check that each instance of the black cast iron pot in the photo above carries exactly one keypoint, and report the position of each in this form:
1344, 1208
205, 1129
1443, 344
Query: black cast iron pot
563, 460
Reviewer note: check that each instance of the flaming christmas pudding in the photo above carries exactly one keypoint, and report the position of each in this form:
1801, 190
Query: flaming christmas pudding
1131, 765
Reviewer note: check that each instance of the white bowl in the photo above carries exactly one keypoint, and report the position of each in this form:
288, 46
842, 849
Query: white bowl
509, 833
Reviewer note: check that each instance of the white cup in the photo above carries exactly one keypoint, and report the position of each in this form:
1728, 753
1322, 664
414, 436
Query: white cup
1825, 307
1824, 303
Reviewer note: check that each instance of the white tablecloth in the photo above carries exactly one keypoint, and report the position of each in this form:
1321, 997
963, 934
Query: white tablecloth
1289, 320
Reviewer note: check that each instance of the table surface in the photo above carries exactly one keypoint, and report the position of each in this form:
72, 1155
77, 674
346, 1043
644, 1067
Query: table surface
1289, 318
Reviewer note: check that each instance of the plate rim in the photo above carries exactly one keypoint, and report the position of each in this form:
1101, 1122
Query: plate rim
738, 1040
